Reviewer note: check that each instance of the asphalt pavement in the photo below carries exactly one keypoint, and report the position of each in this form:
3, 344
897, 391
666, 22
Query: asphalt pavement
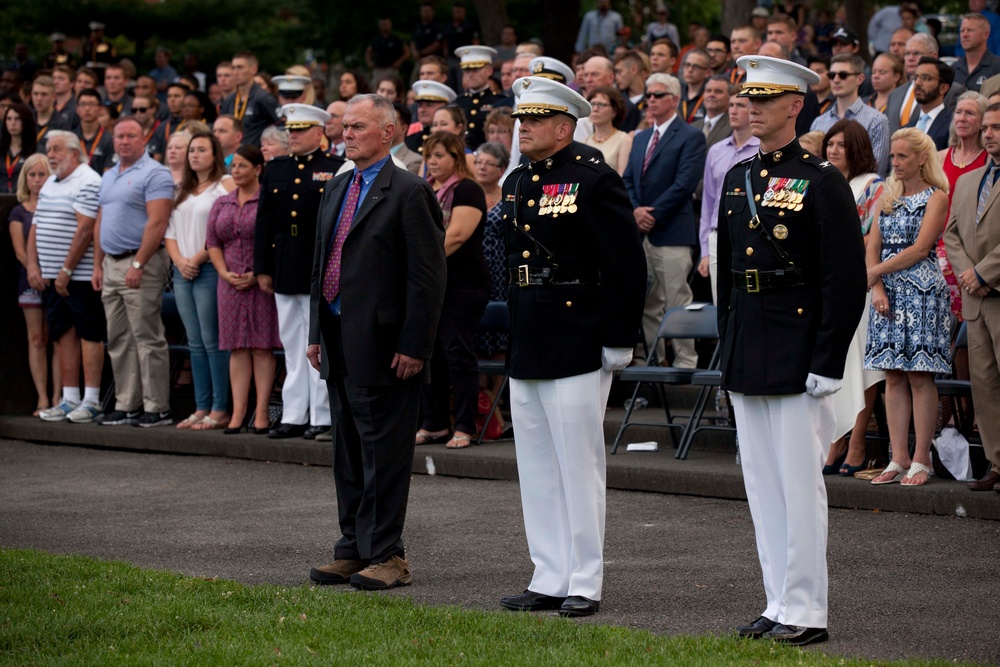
901, 585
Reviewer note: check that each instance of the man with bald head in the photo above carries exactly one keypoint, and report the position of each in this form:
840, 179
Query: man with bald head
597, 72
334, 128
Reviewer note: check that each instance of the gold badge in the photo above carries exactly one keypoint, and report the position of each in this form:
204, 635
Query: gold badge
753, 64
780, 232
525, 84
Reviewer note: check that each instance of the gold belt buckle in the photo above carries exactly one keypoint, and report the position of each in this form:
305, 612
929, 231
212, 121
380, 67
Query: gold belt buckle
522, 275
753, 281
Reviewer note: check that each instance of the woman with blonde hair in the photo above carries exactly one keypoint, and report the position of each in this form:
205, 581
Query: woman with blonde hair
310, 92
909, 328
34, 172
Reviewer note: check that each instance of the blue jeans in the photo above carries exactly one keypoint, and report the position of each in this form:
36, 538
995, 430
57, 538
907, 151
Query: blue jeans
199, 309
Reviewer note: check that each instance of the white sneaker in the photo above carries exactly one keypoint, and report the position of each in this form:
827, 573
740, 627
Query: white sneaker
58, 413
84, 414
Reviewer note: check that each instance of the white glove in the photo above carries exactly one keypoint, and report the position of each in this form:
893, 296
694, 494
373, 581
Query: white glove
818, 386
615, 358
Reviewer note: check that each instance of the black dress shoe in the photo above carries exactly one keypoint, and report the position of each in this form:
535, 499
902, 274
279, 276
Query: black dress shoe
313, 431
986, 482
577, 605
796, 635
757, 628
233, 430
531, 601
282, 431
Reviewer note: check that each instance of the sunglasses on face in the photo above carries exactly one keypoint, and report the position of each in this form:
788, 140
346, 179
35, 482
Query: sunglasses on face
842, 75
140, 109
657, 96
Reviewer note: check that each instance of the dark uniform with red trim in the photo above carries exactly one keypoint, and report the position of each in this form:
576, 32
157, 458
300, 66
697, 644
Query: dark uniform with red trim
779, 322
286, 218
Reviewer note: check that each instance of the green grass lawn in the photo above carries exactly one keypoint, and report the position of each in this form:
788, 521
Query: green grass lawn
59, 610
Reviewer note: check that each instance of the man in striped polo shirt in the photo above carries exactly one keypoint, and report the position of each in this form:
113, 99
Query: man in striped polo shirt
60, 263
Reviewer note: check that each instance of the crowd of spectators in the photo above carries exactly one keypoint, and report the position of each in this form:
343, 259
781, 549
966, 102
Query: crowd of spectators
159, 169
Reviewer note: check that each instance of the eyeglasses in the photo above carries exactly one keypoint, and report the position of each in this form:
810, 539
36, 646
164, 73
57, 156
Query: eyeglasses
842, 75
656, 96
926, 78
140, 109
600, 105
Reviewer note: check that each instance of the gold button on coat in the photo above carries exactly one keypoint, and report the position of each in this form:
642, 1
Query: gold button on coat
569, 304
749, 251
295, 196
526, 254
294, 213
527, 228
302, 166
535, 178
531, 202
800, 311
763, 173
297, 181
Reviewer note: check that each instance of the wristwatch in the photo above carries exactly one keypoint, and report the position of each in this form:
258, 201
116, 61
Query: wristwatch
137, 265
68, 272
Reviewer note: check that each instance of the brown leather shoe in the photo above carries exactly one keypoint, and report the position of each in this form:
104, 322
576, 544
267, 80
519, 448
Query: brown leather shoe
337, 572
382, 576
986, 482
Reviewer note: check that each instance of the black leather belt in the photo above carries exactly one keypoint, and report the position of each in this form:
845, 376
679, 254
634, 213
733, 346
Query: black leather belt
122, 255
525, 276
753, 281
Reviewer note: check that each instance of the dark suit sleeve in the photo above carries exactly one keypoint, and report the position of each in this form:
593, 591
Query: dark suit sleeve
630, 177
426, 271
622, 260
319, 256
724, 254
843, 276
690, 168
263, 238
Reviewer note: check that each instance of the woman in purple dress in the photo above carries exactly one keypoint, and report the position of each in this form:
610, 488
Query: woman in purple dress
248, 319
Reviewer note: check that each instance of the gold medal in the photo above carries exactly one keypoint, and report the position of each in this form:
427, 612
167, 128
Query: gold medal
780, 196
780, 232
563, 208
572, 208
798, 207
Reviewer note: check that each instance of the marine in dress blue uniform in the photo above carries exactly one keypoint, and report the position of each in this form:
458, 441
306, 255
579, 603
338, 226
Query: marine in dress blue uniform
284, 244
792, 285
477, 101
578, 280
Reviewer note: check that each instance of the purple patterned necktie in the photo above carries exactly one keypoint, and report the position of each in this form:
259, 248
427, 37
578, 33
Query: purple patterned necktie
649, 153
331, 278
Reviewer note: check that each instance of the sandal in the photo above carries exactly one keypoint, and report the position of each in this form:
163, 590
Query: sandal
916, 469
209, 424
38, 410
425, 437
893, 467
190, 421
459, 441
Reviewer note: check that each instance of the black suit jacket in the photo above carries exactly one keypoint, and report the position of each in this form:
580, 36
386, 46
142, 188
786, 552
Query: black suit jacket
392, 276
940, 126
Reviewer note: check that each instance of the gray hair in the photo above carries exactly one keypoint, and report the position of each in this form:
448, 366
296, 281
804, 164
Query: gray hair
981, 104
382, 109
496, 151
276, 134
927, 43
671, 83
71, 141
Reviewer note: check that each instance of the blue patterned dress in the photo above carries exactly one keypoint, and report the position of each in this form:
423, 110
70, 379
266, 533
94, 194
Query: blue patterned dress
492, 342
916, 333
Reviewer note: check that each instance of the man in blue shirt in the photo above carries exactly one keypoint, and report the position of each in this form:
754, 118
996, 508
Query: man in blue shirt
131, 267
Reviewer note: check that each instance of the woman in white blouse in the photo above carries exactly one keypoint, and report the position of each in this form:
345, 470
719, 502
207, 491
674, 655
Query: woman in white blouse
196, 280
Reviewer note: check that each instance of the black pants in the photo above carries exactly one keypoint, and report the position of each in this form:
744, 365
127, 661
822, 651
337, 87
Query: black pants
372, 455
454, 365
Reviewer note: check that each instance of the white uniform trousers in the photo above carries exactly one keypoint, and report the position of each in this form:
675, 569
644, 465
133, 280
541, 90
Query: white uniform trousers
559, 436
304, 396
784, 441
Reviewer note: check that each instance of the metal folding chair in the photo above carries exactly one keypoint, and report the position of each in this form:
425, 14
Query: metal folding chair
697, 321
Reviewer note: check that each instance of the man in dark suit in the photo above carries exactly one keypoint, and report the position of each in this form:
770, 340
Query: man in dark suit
902, 109
664, 168
792, 285
378, 281
283, 248
577, 285
715, 123
931, 84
